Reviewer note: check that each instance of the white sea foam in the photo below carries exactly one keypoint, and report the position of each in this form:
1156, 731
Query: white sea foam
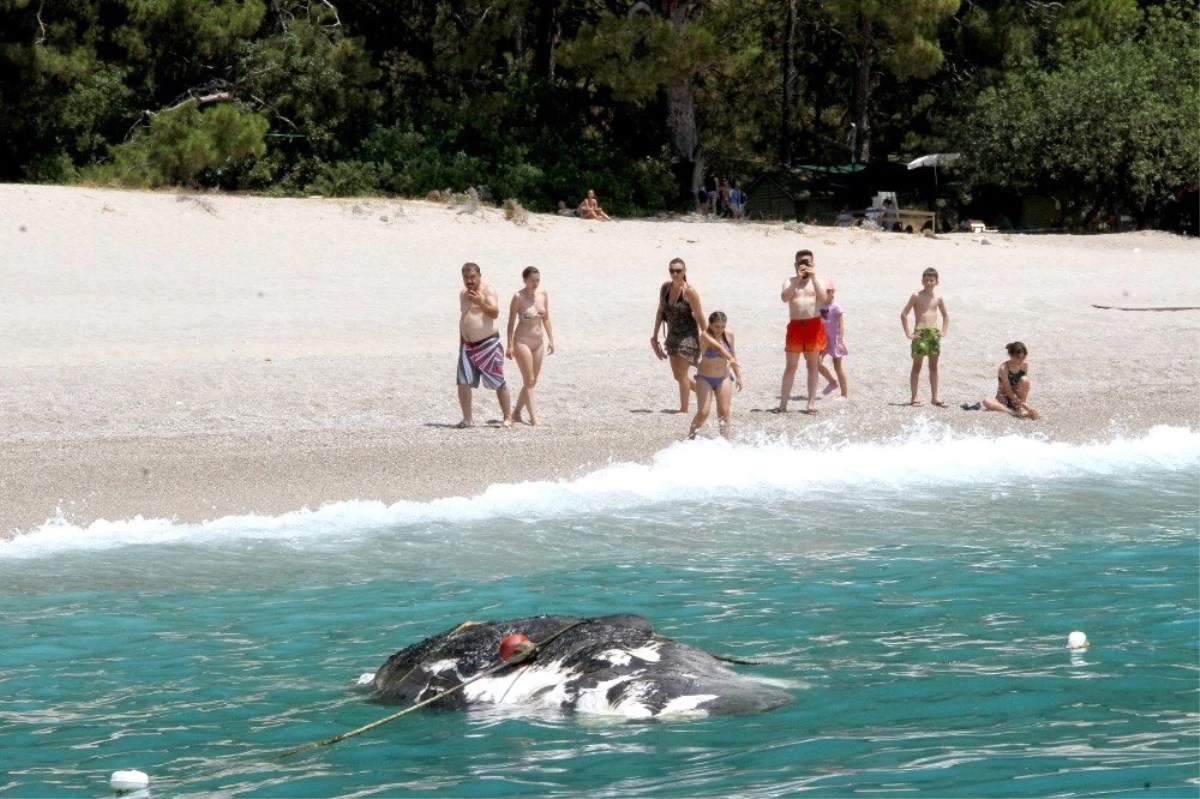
925, 456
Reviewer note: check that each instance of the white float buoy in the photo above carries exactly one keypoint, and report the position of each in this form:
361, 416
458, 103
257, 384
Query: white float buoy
1077, 640
129, 780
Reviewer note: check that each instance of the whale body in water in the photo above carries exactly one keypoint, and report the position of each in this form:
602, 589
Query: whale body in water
614, 665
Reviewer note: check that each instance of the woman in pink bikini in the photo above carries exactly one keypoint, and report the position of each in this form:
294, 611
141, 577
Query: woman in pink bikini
530, 338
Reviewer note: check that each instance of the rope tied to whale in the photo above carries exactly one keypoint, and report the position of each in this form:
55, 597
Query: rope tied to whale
515, 650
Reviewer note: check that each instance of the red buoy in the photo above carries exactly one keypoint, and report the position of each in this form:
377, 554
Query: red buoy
515, 646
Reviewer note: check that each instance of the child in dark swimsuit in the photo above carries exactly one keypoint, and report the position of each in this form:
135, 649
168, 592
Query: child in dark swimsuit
717, 374
1013, 386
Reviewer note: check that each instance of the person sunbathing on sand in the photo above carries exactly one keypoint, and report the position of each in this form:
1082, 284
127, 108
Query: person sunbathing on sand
590, 208
1013, 386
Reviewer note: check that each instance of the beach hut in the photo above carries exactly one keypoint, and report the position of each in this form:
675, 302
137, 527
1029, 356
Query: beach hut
1040, 212
808, 191
801, 191
773, 195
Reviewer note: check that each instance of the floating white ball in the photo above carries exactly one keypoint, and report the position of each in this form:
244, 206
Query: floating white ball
130, 780
1077, 640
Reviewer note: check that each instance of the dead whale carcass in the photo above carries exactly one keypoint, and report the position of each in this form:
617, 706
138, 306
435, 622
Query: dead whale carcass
612, 665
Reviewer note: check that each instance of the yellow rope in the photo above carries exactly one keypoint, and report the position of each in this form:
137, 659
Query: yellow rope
379, 722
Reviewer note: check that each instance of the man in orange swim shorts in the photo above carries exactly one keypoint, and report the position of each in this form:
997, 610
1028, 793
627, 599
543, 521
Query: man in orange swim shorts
805, 331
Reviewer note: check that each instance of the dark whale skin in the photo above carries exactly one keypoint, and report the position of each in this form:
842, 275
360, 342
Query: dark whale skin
646, 675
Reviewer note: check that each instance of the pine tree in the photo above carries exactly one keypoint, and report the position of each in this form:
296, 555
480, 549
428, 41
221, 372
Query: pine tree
898, 35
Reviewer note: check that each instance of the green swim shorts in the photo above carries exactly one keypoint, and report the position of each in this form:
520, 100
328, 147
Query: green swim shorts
927, 342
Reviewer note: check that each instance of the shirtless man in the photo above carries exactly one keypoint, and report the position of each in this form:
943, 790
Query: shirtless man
926, 338
480, 354
805, 330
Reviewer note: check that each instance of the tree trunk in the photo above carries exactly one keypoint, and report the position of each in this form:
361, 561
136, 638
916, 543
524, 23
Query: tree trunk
789, 79
546, 32
518, 37
279, 24
460, 15
687, 155
862, 89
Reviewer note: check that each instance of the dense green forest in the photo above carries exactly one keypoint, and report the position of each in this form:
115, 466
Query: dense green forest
1096, 102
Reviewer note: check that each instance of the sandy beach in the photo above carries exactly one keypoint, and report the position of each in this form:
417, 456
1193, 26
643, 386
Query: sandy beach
195, 356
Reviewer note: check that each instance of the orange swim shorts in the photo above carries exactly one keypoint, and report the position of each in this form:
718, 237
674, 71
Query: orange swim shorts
805, 335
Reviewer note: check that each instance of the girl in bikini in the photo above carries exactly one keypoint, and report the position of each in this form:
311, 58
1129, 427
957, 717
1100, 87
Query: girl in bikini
713, 377
530, 338
1012, 389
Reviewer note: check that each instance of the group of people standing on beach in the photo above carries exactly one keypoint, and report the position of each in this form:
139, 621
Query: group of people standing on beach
815, 330
721, 198
687, 339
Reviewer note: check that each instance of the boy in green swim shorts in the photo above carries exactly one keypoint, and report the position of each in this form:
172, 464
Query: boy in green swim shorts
926, 338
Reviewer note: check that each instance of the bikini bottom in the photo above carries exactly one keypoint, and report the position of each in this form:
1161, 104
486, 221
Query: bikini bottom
715, 382
534, 343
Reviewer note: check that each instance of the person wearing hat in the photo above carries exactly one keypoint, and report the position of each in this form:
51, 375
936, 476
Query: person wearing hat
835, 342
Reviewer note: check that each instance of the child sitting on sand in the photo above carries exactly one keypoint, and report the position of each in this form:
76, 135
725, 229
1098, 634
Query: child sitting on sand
713, 376
835, 342
1012, 391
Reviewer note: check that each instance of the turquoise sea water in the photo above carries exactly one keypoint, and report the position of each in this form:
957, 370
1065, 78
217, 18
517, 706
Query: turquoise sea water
914, 595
